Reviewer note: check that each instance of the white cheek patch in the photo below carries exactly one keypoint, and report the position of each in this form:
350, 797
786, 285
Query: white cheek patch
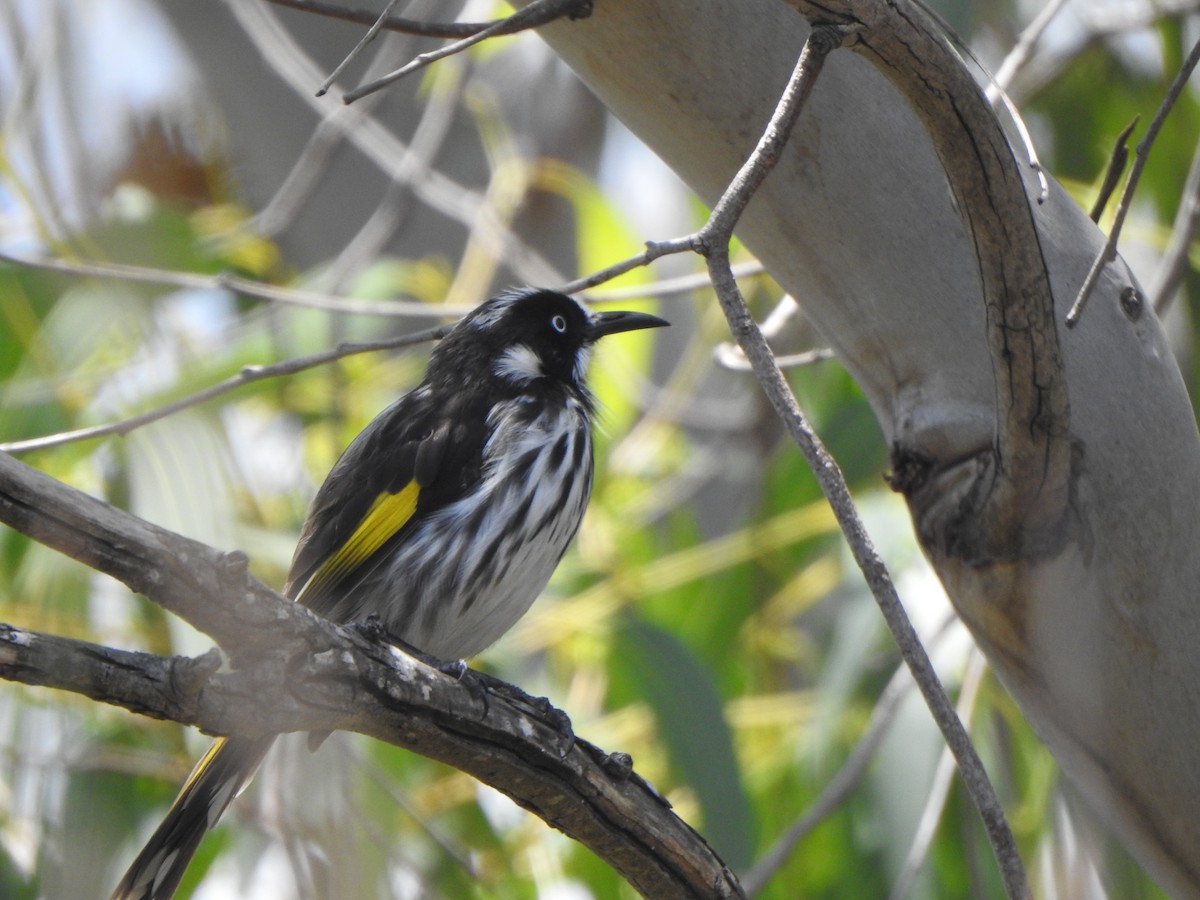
519, 364
583, 356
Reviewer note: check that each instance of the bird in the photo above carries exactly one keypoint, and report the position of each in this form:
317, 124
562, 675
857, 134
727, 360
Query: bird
440, 523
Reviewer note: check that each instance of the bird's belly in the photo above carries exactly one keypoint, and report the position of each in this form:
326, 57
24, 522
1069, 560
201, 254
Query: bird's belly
477, 566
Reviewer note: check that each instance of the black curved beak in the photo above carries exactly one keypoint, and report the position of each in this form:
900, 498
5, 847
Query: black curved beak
615, 322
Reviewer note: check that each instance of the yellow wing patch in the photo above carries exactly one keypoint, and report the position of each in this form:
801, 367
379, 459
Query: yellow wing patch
201, 766
387, 515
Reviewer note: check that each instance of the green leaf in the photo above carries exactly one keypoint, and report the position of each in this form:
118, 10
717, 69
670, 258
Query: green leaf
691, 719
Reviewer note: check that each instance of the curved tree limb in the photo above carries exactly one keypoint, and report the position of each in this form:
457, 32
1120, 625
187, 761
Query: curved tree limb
1014, 502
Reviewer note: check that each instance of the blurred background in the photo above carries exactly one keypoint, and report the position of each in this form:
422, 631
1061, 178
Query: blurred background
709, 620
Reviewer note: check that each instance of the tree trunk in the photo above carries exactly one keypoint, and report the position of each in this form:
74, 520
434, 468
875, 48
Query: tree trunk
1053, 474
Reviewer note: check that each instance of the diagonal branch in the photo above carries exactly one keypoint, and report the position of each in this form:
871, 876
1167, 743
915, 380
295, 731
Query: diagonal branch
247, 375
293, 671
396, 23
537, 13
1141, 154
713, 242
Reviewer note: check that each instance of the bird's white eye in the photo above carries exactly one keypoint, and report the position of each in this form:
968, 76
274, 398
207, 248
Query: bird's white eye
559, 324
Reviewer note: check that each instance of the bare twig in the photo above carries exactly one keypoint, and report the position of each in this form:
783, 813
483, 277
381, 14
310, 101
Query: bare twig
1019, 54
713, 242
428, 139
237, 284
839, 788
537, 13
729, 356
247, 375
1175, 261
367, 37
1141, 154
441, 193
1116, 168
665, 287
390, 23
654, 250
935, 802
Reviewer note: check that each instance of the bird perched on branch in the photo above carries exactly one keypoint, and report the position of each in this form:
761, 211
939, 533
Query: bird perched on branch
442, 521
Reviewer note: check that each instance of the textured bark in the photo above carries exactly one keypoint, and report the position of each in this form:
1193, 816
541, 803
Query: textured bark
302, 673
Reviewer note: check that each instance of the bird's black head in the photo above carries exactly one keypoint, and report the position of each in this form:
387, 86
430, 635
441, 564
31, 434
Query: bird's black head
522, 336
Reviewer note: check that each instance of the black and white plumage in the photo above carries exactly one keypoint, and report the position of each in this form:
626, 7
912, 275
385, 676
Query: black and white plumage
444, 518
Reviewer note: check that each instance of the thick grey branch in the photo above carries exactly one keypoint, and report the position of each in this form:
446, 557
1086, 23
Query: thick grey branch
1020, 494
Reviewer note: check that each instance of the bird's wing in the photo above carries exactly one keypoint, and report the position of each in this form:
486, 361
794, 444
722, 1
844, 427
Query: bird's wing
410, 461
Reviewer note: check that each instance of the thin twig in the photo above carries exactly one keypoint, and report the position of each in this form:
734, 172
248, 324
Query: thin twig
395, 206
730, 356
235, 283
1175, 260
841, 786
457, 202
1109, 253
654, 250
713, 242
390, 23
939, 790
535, 14
1116, 168
666, 287
367, 37
247, 375
1019, 54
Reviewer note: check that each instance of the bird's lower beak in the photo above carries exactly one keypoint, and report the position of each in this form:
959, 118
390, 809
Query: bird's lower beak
615, 322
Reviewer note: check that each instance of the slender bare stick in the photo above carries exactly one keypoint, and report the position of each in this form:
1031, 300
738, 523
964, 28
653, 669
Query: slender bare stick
730, 357
713, 242
1023, 48
237, 284
1116, 168
390, 23
935, 803
358, 48
537, 13
247, 375
1109, 253
1175, 259
839, 788
654, 250
665, 287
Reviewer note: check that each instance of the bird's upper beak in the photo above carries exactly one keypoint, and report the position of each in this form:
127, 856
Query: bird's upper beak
616, 322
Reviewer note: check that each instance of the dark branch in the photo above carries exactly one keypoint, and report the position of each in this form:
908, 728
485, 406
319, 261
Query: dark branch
293, 671
537, 13
390, 23
1116, 168
1140, 156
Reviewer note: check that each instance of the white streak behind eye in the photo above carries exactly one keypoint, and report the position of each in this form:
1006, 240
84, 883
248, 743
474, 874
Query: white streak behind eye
583, 356
519, 364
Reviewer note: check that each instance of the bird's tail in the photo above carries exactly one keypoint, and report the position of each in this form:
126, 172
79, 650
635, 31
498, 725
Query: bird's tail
217, 778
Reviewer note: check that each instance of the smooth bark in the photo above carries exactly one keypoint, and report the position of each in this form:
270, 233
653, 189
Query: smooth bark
914, 239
